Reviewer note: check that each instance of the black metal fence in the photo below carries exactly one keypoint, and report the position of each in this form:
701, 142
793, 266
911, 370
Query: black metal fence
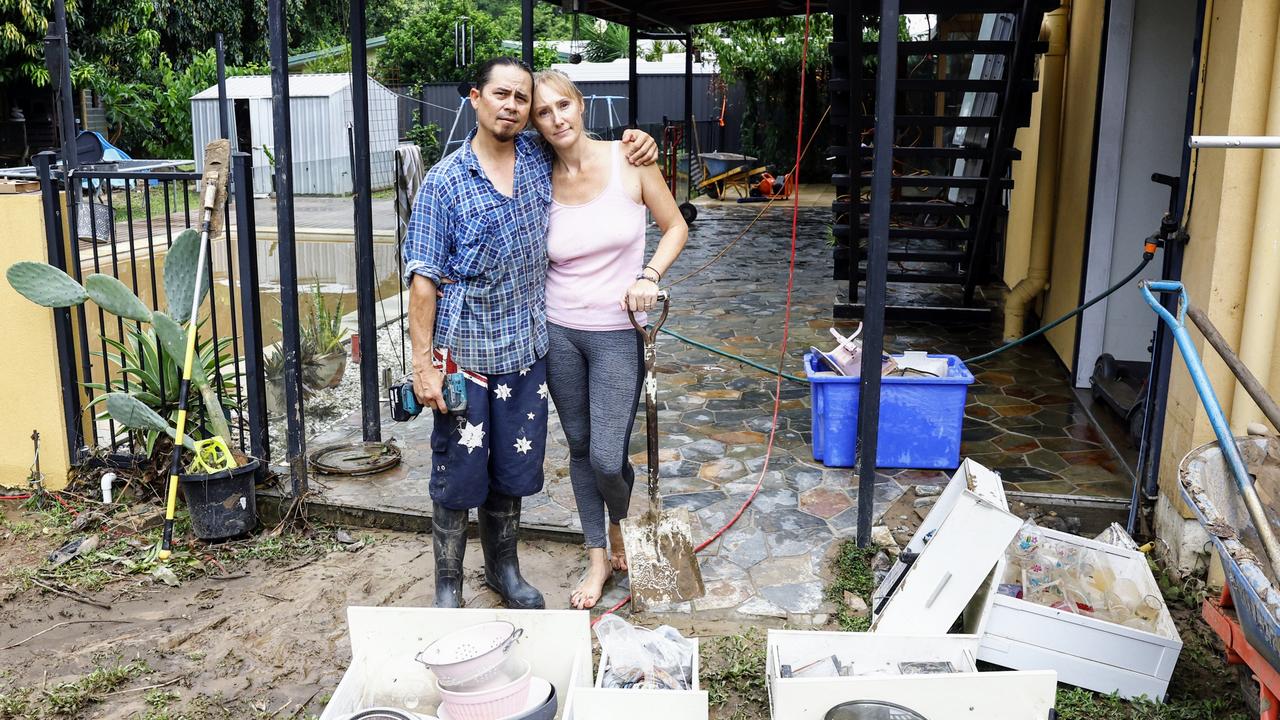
122, 224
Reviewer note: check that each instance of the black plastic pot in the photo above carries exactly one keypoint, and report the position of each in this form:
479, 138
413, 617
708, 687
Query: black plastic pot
222, 505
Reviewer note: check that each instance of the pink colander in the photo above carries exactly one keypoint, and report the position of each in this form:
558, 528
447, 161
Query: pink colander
466, 655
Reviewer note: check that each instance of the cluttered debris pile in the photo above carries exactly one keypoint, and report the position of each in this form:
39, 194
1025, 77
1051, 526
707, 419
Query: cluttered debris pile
975, 584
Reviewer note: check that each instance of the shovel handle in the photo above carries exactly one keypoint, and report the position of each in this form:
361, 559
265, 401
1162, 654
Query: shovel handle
651, 335
650, 390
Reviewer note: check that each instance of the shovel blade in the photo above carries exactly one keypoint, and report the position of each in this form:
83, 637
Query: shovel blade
660, 558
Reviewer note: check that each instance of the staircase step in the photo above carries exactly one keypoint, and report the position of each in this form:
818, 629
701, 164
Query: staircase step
947, 181
988, 121
905, 207
942, 256
909, 233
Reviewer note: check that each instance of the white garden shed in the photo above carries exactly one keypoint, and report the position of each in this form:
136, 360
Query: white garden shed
320, 112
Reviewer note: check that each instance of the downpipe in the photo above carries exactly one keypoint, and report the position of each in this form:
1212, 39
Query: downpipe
1052, 75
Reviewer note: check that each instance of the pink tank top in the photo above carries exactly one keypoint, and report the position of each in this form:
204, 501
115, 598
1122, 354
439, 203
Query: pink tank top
595, 250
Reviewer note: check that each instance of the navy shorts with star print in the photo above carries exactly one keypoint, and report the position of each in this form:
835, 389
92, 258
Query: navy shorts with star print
497, 444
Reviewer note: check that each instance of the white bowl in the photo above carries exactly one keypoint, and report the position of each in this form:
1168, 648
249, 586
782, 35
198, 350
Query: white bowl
539, 690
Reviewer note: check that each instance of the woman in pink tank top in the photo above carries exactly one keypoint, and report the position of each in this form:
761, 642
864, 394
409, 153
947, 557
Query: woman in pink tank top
596, 274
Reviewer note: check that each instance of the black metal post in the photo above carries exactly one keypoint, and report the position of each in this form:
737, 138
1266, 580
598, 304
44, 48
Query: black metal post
877, 267
56, 250
1152, 444
633, 84
688, 112
366, 279
224, 120
277, 27
526, 31
250, 307
58, 60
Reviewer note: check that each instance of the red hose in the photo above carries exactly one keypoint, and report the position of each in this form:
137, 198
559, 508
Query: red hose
786, 320
14, 497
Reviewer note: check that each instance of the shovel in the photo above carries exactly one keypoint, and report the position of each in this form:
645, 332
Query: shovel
659, 544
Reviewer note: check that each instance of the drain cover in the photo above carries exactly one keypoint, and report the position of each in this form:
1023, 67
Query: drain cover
355, 458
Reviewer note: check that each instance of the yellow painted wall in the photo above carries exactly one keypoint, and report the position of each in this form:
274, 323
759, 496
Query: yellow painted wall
1238, 67
29, 366
1084, 55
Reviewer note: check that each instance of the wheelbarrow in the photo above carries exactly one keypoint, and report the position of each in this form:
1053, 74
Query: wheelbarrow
1247, 614
722, 170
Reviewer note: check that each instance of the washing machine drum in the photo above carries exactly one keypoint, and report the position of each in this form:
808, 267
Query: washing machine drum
871, 710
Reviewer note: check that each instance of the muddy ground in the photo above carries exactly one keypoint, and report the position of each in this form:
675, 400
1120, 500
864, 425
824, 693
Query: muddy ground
268, 642
256, 629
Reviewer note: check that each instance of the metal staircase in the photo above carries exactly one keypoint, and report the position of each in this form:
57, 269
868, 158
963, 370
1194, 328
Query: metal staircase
960, 98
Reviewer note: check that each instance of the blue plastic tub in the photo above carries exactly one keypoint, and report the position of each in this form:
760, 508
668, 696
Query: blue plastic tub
920, 417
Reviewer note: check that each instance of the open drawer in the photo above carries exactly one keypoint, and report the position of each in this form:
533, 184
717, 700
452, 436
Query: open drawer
385, 641
600, 703
934, 677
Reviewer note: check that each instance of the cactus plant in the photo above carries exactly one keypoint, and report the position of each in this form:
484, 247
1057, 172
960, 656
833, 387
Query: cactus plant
133, 413
45, 285
139, 358
179, 275
116, 298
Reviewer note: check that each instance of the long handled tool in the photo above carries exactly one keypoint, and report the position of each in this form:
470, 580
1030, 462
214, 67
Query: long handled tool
1213, 408
213, 457
659, 544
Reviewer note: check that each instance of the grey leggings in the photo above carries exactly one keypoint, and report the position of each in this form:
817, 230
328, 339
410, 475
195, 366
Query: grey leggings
594, 377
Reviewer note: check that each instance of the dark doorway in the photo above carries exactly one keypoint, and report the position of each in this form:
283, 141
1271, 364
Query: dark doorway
244, 134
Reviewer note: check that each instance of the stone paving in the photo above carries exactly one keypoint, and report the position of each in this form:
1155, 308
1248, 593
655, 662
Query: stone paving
715, 416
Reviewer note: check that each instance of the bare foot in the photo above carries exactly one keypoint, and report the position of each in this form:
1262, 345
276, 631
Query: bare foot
618, 554
591, 587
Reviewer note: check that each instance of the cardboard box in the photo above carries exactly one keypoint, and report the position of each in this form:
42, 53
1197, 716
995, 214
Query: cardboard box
9, 187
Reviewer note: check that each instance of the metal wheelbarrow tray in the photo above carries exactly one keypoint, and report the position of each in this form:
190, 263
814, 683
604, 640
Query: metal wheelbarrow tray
1214, 482
1208, 491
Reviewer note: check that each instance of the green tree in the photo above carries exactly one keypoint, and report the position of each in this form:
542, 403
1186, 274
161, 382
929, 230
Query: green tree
605, 45
549, 23
421, 49
23, 25
763, 56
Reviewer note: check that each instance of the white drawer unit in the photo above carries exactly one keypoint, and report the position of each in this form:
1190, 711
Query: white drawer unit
385, 641
1086, 651
957, 553
601, 703
960, 560
888, 669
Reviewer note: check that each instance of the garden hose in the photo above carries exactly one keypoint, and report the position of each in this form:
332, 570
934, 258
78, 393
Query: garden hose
1146, 258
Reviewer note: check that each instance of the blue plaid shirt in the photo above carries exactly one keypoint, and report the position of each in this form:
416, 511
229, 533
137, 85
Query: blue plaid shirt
493, 318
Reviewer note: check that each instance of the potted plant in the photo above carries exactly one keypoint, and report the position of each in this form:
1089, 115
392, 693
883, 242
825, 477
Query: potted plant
312, 375
323, 337
222, 504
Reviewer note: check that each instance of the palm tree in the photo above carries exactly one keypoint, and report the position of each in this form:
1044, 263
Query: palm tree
604, 45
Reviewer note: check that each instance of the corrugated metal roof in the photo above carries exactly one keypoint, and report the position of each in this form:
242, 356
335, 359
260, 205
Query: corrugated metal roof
256, 86
671, 64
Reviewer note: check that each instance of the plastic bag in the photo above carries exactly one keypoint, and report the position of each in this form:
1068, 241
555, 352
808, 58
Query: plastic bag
642, 658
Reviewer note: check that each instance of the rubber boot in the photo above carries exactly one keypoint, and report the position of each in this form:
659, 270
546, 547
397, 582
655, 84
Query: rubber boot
499, 529
449, 542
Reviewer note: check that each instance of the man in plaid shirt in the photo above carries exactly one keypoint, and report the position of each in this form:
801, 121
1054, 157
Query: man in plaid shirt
476, 262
